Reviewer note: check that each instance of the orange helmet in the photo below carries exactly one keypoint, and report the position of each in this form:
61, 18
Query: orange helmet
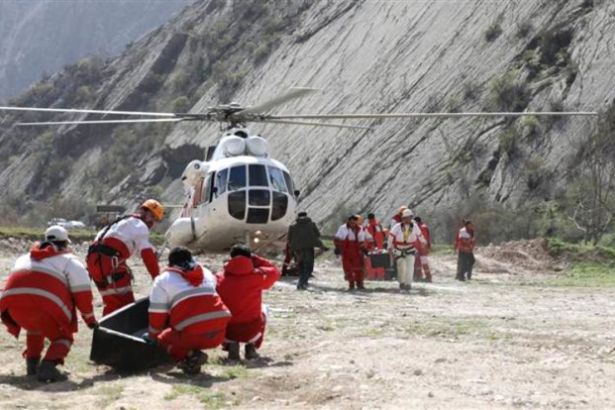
360, 219
155, 208
402, 209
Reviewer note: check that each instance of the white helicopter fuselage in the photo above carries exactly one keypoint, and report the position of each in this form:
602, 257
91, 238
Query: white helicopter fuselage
239, 196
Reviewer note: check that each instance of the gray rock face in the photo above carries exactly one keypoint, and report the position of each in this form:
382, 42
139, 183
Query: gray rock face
41, 36
365, 56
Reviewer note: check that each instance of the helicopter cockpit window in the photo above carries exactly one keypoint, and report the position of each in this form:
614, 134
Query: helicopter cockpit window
237, 178
289, 182
221, 181
277, 179
258, 175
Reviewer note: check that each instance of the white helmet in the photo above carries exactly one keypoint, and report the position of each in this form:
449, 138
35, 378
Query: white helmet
407, 213
56, 233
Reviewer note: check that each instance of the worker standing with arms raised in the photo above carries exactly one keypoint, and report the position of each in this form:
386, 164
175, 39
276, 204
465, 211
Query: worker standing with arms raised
350, 243
41, 295
403, 242
114, 244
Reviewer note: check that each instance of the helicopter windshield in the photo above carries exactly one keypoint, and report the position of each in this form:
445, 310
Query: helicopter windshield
276, 177
237, 178
221, 181
258, 175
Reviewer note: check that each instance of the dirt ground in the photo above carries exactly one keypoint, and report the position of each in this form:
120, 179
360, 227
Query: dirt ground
507, 339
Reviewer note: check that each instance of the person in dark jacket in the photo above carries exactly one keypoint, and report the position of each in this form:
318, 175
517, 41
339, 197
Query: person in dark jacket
241, 285
303, 237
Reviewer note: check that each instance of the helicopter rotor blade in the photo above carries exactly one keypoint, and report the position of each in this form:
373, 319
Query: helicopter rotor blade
434, 115
317, 124
291, 94
145, 120
86, 111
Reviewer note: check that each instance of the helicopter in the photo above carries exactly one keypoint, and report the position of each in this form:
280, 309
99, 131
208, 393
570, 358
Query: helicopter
239, 193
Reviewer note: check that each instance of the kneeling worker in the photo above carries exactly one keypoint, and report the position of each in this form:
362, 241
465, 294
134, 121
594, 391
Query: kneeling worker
40, 296
116, 243
241, 285
185, 312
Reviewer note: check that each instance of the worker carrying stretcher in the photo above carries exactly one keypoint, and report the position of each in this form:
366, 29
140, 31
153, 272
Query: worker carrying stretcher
113, 245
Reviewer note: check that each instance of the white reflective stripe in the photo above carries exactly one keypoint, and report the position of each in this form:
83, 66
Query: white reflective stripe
80, 288
40, 292
38, 268
255, 338
201, 318
158, 307
181, 296
64, 342
116, 291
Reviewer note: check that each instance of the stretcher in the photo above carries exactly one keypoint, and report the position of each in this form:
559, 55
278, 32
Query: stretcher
118, 340
376, 265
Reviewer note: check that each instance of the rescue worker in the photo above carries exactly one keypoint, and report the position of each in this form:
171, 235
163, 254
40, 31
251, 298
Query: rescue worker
350, 244
397, 217
303, 237
403, 242
375, 235
464, 245
113, 245
421, 263
42, 293
241, 284
186, 314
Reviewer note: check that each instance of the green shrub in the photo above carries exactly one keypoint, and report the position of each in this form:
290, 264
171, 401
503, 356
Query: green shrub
493, 31
508, 93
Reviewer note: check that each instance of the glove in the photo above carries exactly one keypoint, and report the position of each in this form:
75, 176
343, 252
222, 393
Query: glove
94, 325
148, 340
337, 252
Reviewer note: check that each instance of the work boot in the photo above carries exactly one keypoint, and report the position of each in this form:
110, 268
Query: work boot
251, 352
192, 364
428, 279
48, 373
460, 278
32, 366
350, 285
360, 286
233, 352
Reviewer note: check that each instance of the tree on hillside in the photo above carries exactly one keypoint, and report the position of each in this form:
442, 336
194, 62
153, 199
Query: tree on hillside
591, 199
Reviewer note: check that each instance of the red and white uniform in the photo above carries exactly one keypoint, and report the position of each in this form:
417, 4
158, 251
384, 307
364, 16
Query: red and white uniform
185, 312
377, 234
107, 260
403, 241
421, 263
42, 293
350, 241
464, 242
241, 285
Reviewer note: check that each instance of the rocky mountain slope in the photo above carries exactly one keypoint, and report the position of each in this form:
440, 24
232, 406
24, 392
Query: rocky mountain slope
41, 36
365, 56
